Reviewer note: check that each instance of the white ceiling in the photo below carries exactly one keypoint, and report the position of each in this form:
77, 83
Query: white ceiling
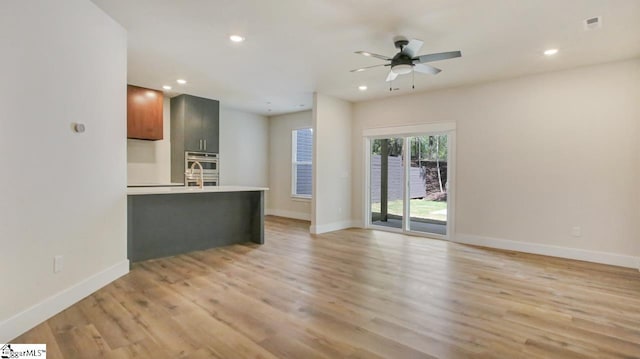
296, 47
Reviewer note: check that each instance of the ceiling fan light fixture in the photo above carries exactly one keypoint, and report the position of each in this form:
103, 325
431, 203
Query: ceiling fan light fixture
402, 69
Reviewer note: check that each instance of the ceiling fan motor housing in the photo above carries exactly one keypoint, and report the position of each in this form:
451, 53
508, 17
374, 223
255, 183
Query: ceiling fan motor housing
401, 63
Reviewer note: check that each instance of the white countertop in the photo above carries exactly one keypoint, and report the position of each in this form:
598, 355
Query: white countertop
155, 184
176, 190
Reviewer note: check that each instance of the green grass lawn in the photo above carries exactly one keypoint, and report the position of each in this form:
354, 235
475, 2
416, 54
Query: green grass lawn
418, 208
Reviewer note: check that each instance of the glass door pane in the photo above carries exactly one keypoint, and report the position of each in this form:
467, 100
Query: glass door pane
387, 182
427, 192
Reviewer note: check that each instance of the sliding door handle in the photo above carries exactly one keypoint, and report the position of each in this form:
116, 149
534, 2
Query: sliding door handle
205, 145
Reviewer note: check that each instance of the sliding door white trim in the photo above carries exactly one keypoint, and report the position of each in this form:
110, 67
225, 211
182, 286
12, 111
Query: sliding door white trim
451, 180
409, 130
406, 200
366, 188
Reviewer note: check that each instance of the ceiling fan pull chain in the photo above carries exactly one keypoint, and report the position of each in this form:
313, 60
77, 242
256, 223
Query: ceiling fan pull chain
413, 80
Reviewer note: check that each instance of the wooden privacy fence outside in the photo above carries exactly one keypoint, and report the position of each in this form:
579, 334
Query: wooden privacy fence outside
420, 184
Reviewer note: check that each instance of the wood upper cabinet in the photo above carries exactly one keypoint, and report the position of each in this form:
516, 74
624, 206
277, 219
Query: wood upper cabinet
144, 113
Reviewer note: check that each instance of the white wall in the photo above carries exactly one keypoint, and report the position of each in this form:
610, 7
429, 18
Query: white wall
280, 202
536, 156
244, 148
149, 162
62, 193
331, 204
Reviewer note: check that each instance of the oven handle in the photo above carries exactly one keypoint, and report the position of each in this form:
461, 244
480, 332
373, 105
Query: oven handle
208, 160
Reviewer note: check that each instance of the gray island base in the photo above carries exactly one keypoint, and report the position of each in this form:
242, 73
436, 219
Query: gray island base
166, 222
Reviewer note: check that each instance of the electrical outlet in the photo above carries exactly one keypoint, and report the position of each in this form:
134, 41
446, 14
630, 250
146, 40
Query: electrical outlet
576, 231
57, 264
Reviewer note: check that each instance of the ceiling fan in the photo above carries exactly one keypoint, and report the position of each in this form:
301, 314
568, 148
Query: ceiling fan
407, 59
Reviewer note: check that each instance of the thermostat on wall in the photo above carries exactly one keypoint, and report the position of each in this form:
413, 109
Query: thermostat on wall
78, 127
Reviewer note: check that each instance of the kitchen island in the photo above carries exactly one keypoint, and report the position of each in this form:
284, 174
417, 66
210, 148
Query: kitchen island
165, 221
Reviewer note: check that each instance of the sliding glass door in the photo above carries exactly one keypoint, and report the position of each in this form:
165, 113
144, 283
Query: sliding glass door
427, 185
409, 187
387, 189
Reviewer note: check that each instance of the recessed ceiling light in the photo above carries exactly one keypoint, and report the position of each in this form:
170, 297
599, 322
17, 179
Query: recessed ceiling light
366, 53
181, 81
166, 87
551, 52
362, 88
236, 38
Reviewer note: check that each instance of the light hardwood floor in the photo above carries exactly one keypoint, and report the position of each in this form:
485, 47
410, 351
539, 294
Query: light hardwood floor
353, 294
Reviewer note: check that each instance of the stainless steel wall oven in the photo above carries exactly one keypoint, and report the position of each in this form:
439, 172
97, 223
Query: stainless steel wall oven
201, 165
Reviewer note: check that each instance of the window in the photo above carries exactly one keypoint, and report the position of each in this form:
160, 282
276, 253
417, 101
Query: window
301, 155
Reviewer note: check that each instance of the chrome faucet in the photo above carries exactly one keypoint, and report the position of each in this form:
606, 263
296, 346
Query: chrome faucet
201, 179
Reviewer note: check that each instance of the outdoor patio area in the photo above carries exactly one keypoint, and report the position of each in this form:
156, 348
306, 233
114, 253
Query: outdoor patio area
426, 216
418, 208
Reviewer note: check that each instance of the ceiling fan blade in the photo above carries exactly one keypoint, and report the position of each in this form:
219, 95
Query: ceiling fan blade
426, 69
392, 76
368, 67
371, 54
412, 48
437, 57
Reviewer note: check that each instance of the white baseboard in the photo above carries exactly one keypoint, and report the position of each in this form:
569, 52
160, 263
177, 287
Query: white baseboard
357, 223
288, 214
615, 259
30, 317
330, 227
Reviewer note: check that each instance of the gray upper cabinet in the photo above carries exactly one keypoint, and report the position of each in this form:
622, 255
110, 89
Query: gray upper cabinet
211, 126
202, 124
195, 126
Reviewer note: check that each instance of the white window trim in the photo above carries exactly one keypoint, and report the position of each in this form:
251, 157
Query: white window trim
294, 163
